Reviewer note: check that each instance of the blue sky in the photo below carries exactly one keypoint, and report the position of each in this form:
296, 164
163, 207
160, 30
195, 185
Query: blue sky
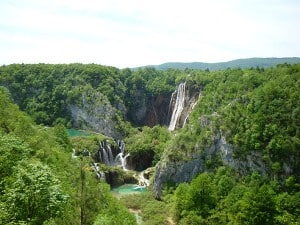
138, 32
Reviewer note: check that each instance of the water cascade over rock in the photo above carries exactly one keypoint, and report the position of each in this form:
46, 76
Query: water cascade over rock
120, 157
143, 177
112, 156
181, 105
99, 174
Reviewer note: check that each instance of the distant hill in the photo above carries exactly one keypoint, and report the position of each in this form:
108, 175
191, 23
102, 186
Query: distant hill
238, 63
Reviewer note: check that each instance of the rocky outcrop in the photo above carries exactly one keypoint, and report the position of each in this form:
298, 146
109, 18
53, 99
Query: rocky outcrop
149, 110
137, 107
95, 113
157, 110
218, 152
178, 172
116, 177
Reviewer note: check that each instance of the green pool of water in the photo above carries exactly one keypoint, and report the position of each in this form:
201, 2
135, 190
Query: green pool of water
128, 189
76, 133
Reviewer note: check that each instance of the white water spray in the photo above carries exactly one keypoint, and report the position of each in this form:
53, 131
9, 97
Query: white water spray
105, 154
179, 105
120, 157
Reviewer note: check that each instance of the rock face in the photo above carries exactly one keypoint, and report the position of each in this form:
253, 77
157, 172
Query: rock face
219, 152
137, 108
149, 110
178, 172
95, 113
157, 110
118, 177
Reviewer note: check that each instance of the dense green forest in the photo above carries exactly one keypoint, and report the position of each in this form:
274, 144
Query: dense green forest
41, 184
255, 111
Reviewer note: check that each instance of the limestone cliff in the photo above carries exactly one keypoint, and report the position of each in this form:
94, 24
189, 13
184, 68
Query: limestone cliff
94, 112
218, 153
149, 110
157, 110
181, 167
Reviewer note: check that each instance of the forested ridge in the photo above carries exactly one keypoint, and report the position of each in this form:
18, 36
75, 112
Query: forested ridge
255, 111
237, 63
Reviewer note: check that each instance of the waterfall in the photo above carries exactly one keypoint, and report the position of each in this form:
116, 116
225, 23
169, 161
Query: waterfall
120, 157
170, 104
121, 145
106, 154
110, 155
142, 180
179, 105
99, 174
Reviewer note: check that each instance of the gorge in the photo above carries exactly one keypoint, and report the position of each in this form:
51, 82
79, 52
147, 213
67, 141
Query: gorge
204, 143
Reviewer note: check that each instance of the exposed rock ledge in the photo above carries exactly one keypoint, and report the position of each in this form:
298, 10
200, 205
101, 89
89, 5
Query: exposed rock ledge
185, 170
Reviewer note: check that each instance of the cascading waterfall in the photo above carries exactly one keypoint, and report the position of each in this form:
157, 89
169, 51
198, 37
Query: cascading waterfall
143, 182
106, 156
179, 105
99, 174
110, 155
120, 157
170, 104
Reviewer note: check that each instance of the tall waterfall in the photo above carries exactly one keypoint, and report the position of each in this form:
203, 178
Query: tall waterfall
179, 105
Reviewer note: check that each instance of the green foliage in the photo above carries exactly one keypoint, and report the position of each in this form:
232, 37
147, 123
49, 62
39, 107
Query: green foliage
196, 199
46, 92
153, 212
12, 120
12, 151
115, 214
255, 110
220, 198
62, 135
151, 141
40, 182
34, 194
90, 143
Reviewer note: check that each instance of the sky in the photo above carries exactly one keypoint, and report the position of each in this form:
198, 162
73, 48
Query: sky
138, 32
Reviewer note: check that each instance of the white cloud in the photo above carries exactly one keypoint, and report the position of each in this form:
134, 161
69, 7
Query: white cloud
139, 32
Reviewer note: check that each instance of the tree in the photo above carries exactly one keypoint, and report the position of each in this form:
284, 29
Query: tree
12, 150
180, 200
34, 195
62, 135
201, 194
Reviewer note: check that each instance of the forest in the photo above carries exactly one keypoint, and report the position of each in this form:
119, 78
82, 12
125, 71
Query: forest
234, 158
